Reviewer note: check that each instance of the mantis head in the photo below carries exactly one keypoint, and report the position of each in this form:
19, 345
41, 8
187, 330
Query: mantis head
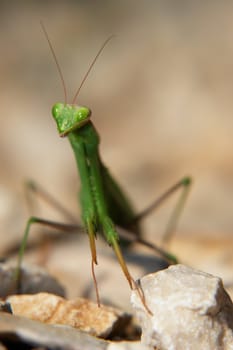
70, 117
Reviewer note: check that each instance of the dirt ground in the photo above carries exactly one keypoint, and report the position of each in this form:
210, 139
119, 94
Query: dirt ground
161, 99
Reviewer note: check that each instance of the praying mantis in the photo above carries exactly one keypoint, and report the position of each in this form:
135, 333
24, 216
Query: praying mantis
104, 206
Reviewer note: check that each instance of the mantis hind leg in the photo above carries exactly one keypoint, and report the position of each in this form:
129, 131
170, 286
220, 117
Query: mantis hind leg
184, 185
35, 220
32, 187
125, 234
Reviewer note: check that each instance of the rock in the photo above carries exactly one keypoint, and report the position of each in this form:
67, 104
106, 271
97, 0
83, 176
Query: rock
190, 310
79, 313
22, 333
33, 280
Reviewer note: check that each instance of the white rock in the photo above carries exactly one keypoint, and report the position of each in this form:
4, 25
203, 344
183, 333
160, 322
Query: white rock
190, 310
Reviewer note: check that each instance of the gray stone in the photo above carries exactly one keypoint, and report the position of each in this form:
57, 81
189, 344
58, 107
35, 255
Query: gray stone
33, 280
24, 332
190, 310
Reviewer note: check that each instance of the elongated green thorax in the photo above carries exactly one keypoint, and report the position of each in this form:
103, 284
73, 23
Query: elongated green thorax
70, 117
105, 195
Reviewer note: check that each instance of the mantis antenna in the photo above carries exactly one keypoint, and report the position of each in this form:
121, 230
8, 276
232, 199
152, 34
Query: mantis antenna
90, 67
56, 61
59, 68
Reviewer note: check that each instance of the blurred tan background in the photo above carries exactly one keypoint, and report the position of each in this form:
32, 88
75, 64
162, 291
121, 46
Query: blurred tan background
160, 94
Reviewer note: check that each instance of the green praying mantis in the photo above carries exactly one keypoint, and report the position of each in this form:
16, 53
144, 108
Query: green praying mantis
104, 206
